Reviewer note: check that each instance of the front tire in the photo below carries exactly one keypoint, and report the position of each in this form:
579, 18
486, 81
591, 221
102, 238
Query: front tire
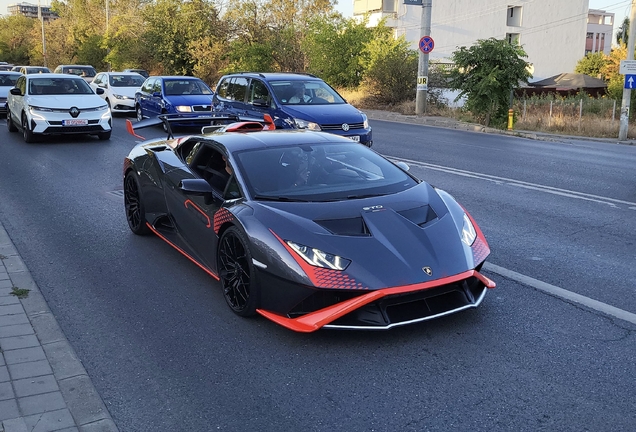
10, 125
236, 272
134, 205
104, 136
26, 133
140, 115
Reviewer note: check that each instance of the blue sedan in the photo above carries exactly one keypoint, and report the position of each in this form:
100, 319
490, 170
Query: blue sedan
172, 95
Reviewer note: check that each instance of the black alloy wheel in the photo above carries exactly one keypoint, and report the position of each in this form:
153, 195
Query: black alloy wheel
237, 273
26, 133
133, 202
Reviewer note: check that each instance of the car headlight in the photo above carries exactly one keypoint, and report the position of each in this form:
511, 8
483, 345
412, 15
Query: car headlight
468, 231
304, 124
365, 121
116, 96
318, 258
183, 108
37, 108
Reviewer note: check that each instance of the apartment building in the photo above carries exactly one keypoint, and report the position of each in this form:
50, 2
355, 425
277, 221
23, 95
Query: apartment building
554, 34
31, 11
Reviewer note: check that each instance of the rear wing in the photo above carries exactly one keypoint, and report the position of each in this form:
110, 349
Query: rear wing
215, 122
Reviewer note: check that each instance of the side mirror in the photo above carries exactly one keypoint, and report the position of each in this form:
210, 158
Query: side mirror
15, 91
262, 103
99, 91
403, 165
195, 187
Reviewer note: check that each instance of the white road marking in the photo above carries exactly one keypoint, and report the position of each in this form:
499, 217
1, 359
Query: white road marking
562, 293
518, 183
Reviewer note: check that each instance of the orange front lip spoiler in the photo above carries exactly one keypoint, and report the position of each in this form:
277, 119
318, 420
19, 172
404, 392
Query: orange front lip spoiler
315, 320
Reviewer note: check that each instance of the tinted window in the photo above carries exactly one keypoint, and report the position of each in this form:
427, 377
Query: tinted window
237, 89
126, 80
148, 85
58, 86
8, 80
320, 173
83, 71
222, 89
186, 87
318, 92
258, 90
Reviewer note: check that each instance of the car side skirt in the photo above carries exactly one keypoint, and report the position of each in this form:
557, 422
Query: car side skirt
326, 317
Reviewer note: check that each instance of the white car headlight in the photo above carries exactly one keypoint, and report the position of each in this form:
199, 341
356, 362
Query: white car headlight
37, 108
183, 108
304, 124
365, 121
318, 258
116, 96
468, 231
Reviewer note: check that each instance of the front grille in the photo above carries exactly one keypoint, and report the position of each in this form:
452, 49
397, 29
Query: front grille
2, 99
59, 123
200, 108
339, 126
73, 129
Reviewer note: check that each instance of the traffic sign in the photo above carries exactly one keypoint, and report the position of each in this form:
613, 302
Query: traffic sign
422, 83
628, 67
427, 44
630, 82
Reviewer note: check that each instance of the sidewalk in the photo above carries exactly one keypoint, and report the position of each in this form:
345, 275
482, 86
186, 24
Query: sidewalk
43, 385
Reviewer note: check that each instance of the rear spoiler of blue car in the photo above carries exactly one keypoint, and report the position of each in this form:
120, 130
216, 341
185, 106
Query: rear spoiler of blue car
216, 121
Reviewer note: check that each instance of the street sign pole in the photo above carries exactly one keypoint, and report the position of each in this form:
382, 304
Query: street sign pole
627, 92
422, 69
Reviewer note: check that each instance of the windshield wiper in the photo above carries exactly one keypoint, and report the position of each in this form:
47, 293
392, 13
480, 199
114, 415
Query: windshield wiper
278, 198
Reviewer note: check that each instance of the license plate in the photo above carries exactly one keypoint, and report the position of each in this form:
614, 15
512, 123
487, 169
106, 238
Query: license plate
356, 138
75, 122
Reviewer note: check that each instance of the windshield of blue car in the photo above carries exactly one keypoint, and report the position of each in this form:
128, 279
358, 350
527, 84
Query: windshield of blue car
8, 80
320, 172
126, 80
312, 92
186, 87
58, 86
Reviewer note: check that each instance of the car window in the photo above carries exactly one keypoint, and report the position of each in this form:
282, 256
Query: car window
58, 86
98, 79
126, 81
148, 85
320, 172
21, 84
317, 92
237, 89
8, 80
257, 91
156, 87
186, 87
222, 88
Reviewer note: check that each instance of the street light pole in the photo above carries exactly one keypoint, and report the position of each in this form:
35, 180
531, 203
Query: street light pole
627, 92
422, 68
41, 17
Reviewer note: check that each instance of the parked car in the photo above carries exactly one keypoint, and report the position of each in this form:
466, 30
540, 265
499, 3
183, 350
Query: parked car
50, 104
34, 69
85, 71
7, 82
144, 73
298, 101
308, 229
16, 68
119, 89
173, 94
6, 67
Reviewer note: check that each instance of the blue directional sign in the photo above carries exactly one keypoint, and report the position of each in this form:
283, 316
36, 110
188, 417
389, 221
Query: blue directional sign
427, 44
630, 82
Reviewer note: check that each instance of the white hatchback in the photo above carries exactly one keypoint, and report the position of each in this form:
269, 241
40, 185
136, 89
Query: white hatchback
52, 104
119, 89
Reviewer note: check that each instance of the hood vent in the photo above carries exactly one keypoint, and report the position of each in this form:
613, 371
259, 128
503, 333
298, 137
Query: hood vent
419, 215
345, 227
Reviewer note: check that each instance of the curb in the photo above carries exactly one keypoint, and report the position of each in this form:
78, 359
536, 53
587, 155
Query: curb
42, 381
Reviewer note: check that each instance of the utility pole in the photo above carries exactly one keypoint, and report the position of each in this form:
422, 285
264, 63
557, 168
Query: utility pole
627, 92
422, 68
41, 17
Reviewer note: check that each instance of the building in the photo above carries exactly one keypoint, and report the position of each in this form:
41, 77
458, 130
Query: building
600, 27
553, 33
31, 11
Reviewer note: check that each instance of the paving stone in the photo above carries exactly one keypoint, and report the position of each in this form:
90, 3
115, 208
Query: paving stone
72, 429
24, 355
30, 369
15, 425
33, 386
6, 391
11, 309
83, 400
16, 342
49, 421
10, 299
35, 304
4, 374
4, 275
5, 287
7, 249
20, 318
63, 360
46, 328
106, 425
41, 403
16, 330
14, 264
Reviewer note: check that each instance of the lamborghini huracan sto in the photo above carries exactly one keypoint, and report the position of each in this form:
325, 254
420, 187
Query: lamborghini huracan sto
308, 229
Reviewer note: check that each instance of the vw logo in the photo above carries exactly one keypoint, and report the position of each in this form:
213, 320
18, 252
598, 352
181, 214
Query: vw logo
345, 127
74, 112
205, 107
427, 270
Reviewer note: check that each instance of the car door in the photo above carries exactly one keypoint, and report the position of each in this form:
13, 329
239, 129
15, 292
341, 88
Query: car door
16, 102
231, 94
156, 98
259, 101
144, 96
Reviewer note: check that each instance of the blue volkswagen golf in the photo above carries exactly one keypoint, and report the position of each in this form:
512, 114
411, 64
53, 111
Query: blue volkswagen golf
295, 101
172, 95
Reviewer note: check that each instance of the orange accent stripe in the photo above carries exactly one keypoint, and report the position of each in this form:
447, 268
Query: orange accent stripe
197, 208
315, 320
131, 130
205, 269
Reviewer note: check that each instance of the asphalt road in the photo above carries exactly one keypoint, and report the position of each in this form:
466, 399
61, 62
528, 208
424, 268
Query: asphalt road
166, 353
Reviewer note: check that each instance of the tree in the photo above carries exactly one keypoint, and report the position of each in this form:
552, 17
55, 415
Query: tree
15, 39
592, 64
486, 74
622, 33
611, 72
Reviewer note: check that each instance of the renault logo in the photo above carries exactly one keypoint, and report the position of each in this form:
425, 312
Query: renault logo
74, 112
345, 127
427, 270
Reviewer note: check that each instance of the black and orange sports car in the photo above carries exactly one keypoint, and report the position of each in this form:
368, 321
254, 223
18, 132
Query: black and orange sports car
308, 229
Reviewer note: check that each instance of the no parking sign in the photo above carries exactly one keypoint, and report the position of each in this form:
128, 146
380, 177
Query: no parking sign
427, 44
